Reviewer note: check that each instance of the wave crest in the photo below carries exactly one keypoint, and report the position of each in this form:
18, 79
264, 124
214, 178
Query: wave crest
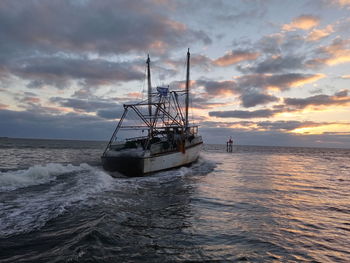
37, 174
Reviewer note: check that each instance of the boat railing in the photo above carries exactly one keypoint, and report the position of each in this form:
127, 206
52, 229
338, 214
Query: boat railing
137, 138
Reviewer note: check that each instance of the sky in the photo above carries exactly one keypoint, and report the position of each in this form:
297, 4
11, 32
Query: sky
264, 72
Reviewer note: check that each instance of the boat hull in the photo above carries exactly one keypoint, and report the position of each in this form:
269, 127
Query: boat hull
143, 165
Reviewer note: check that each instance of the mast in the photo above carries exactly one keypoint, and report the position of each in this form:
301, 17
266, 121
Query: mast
187, 88
149, 85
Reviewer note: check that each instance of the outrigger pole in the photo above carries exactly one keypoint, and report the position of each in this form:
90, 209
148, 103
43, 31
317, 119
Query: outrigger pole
149, 86
187, 89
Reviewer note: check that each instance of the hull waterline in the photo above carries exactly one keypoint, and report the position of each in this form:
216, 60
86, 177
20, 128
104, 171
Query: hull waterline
143, 165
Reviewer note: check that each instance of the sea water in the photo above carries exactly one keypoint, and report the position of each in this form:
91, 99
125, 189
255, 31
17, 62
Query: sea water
256, 204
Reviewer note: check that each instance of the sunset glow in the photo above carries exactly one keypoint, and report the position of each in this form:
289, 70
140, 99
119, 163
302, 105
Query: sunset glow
258, 69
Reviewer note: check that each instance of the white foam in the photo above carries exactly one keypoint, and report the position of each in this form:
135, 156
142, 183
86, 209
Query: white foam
204, 165
25, 210
35, 175
34, 207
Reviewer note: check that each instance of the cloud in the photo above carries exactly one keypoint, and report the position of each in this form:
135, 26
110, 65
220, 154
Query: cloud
304, 22
252, 88
339, 98
30, 99
289, 125
101, 27
342, 93
270, 126
275, 138
345, 77
3, 106
277, 81
56, 43
341, 3
276, 64
202, 102
236, 56
254, 99
197, 60
74, 126
218, 88
336, 53
110, 113
64, 126
86, 105
265, 113
259, 81
317, 34
59, 71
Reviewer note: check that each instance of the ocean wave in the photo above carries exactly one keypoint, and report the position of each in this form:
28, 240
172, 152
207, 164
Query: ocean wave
37, 174
202, 166
26, 209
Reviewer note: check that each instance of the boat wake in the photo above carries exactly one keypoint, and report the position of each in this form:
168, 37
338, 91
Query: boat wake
35, 175
30, 198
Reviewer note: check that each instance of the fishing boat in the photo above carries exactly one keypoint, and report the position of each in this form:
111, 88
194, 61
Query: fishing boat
154, 134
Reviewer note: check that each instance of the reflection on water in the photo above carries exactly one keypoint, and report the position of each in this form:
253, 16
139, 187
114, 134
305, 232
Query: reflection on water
277, 207
257, 204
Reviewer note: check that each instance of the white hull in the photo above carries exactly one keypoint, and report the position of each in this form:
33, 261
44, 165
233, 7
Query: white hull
132, 164
171, 160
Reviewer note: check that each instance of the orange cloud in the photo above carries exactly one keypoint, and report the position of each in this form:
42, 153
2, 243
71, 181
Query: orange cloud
345, 77
3, 106
323, 128
158, 45
317, 34
31, 100
336, 53
342, 3
234, 57
307, 80
304, 22
134, 94
175, 25
319, 102
293, 82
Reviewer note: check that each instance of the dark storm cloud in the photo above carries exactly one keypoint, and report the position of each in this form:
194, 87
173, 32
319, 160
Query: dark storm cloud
339, 98
265, 113
93, 26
